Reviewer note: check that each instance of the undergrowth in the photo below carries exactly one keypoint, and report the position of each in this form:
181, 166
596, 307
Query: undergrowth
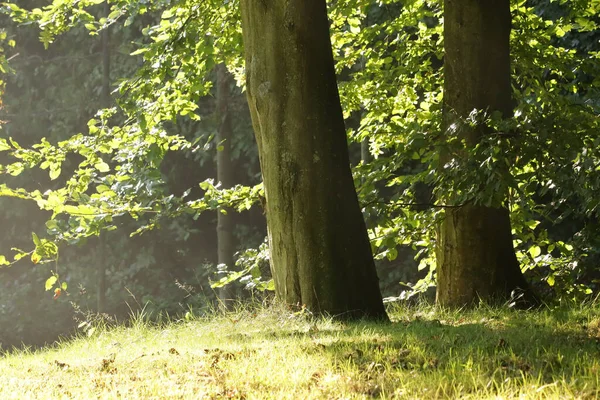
273, 353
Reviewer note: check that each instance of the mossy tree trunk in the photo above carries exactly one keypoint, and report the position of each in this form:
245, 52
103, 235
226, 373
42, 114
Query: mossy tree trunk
226, 177
475, 256
320, 252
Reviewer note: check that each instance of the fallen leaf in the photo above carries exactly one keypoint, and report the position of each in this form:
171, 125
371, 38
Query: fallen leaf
61, 365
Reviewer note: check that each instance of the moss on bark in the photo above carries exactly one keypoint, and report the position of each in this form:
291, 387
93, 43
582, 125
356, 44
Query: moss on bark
475, 255
320, 252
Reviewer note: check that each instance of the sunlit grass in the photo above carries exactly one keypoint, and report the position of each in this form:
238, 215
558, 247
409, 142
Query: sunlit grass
272, 353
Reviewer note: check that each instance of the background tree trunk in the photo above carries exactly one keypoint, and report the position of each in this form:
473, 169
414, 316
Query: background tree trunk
475, 255
226, 176
320, 252
101, 299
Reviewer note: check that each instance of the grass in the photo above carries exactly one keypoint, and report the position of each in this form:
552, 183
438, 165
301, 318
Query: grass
270, 353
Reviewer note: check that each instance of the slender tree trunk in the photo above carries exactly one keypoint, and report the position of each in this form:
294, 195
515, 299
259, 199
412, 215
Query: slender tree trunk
320, 252
365, 151
475, 255
225, 175
101, 300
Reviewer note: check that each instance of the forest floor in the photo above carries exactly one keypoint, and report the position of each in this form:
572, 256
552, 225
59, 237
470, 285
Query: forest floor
271, 353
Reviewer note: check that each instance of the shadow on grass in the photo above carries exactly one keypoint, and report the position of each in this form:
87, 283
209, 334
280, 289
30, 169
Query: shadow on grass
426, 353
464, 354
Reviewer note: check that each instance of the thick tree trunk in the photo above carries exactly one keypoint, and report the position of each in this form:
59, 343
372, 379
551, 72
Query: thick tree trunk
320, 252
475, 255
225, 175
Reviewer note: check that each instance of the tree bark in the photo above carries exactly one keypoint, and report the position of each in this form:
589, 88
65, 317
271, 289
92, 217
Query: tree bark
475, 255
226, 177
320, 252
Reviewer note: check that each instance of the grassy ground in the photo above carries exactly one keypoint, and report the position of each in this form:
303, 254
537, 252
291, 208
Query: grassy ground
273, 354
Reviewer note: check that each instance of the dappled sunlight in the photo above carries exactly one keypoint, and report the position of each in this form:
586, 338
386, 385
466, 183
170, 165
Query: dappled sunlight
272, 353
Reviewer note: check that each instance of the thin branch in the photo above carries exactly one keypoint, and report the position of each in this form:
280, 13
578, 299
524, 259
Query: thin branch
407, 205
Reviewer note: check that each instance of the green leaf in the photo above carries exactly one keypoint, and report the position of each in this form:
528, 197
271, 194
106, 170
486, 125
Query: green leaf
139, 51
535, 251
204, 185
15, 169
102, 188
392, 254
50, 282
270, 285
36, 239
550, 280
80, 210
4, 145
36, 257
3, 260
532, 224
19, 255
51, 224
54, 173
114, 14
102, 166
354, 25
